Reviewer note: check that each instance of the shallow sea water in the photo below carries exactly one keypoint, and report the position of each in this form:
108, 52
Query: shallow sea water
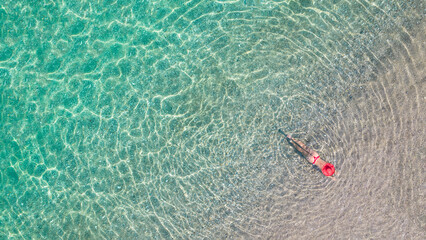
158, 119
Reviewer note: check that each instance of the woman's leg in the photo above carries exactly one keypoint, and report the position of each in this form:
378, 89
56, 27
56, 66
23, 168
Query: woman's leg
302, 148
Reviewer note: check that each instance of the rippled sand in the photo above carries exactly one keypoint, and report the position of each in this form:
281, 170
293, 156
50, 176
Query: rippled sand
376, 141
158, 119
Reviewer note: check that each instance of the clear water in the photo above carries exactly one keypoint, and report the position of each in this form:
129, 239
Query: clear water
158, 119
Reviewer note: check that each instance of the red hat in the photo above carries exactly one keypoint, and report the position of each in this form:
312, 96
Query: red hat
328, 169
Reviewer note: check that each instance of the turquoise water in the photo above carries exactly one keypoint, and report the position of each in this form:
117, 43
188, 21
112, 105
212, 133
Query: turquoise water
158, 119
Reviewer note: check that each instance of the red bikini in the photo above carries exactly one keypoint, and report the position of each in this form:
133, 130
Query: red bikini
315, 159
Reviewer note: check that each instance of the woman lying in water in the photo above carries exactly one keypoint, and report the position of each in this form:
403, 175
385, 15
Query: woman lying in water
311, 155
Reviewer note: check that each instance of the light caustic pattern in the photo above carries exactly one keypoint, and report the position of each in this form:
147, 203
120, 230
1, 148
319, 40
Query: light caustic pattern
158, 119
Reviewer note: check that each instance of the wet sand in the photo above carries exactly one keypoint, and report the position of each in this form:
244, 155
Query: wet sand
377, 143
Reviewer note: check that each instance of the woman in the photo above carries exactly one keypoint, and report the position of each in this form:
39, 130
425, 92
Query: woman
312, 156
